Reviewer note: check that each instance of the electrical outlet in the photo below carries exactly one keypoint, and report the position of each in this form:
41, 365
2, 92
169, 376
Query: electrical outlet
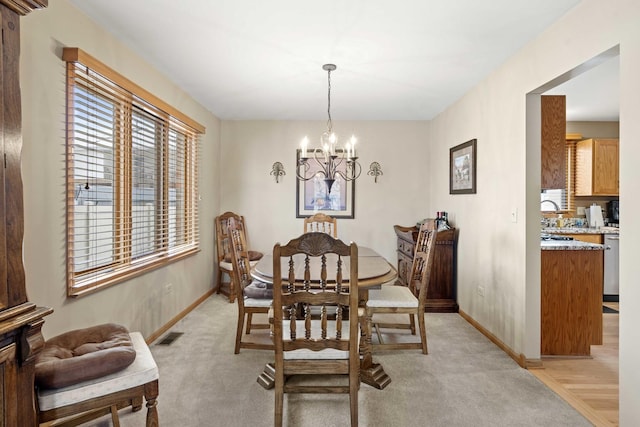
481, 291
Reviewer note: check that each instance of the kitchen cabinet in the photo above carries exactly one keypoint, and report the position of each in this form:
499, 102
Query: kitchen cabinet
571, 301
20, 320
553, 135
441, 295
597, 167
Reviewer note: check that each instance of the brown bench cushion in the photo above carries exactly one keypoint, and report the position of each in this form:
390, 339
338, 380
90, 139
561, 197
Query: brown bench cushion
84, 354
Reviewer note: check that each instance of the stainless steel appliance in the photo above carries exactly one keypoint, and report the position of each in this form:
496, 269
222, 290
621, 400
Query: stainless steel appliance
613, 212
611, 268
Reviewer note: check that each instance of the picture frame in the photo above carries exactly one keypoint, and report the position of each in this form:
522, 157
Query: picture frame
462, 168
312, 197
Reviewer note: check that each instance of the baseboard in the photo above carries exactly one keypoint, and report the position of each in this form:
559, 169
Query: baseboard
520, 359
154, 336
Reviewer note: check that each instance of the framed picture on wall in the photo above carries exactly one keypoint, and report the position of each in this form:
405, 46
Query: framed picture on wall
313, 197
462, 168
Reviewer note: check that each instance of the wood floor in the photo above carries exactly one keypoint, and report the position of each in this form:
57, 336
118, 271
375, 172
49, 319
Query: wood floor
589, 384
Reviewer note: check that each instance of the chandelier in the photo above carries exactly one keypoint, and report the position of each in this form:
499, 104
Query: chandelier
329, 161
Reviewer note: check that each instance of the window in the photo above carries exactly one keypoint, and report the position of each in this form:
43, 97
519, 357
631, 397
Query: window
132, 178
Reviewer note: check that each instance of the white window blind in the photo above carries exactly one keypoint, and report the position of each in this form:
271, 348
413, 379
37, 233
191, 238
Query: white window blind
132, 178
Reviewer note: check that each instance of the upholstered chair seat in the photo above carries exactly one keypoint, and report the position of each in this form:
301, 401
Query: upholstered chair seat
70, 388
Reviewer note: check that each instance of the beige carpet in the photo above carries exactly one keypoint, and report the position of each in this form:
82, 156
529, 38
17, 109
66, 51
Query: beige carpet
464, 381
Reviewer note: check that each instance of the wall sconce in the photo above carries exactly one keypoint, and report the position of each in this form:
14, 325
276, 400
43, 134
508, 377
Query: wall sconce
277, 170
375, 170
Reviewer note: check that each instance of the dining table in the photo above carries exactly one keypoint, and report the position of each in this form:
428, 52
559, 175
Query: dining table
373, 271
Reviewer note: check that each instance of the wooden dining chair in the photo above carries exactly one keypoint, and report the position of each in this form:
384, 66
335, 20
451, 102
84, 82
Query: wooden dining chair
322, 223
252, 296
223, 246
328, 346
392, 299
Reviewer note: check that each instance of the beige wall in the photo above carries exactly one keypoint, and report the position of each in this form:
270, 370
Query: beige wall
504, 256
595, 129
401, 196
143, 303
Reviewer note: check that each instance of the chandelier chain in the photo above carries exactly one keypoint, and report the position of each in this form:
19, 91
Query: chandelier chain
329, 124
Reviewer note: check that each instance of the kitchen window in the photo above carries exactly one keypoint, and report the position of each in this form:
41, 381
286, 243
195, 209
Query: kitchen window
132, 178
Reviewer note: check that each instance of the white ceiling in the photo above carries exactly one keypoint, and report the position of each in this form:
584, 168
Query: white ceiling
262, 59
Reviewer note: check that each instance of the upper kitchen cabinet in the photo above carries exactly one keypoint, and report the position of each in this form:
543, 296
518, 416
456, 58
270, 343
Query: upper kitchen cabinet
553, 118
597, 167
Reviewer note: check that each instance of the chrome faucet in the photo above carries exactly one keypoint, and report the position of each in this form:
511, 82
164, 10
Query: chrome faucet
555, 205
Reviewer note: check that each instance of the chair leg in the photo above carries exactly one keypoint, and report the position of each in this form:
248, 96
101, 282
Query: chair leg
249, 320
423, 332
232, 288
375, 325
150, 395
279, 400
412, 322
114, 416
219, 281
354, 384
239, 330
136, 404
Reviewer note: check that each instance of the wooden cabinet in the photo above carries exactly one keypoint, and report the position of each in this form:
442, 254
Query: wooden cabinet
553, 135
571, 301
20, 321
441, 296
597, 167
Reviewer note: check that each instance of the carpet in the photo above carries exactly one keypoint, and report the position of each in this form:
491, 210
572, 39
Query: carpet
466, 380
606, 309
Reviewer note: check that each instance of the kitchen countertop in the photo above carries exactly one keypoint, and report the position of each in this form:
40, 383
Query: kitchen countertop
569, 245
581, 230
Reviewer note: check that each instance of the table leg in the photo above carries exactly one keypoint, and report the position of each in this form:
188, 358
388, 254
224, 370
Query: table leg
371, 373
267, 378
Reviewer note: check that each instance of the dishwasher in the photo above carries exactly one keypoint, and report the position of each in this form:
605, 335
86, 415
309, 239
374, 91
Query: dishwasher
611, 268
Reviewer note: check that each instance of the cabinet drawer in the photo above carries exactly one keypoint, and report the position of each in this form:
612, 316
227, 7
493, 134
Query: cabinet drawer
405, 247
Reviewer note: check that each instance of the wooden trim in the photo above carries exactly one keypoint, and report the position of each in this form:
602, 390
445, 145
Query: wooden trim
74, 54
574, 137
128, 273
520, 359
23, 7
154, 336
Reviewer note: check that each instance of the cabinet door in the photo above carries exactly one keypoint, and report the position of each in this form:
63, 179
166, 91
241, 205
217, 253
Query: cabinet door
597, 167
606, 167
554, 128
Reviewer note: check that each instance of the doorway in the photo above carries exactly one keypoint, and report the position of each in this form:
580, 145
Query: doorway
592, 102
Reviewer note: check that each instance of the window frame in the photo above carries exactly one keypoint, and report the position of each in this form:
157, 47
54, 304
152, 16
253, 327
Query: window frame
128, 100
